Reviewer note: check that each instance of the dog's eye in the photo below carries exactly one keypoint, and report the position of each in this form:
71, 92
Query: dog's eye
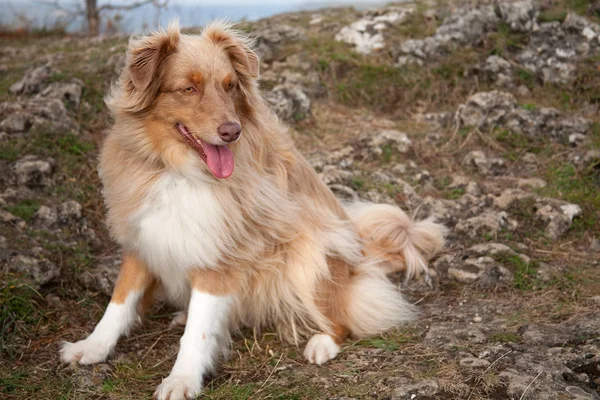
189, 90
231, 85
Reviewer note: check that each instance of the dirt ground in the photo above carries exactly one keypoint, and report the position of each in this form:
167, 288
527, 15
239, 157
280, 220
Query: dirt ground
507, 155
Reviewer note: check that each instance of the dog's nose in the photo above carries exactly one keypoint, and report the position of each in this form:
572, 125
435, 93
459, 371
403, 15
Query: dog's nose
229, 131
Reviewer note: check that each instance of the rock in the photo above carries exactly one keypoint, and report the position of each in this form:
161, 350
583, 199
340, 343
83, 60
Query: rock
469, 26
45, 217
484, 165
595, 245
47, 114
486, 109
493, 249
289, 102
271, 37
451, 334
534, 183
424, 389
366, 34
116, 62
529, 158
398, 141
483, 270
499, 69
68, 212
70, 93
33, 81
591, 159
554, 49
487, 223
7, 217
102, 278
558, 221
509, 197
474, 362
38, 272
33, 172
545, 335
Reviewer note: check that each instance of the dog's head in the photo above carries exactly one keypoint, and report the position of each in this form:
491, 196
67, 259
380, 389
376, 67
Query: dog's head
191, 92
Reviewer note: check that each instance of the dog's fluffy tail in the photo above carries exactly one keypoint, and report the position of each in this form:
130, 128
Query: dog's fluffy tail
392, 241
395, 240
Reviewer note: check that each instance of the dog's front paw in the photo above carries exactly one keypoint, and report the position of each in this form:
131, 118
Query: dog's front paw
179, 387
86, 351
320, 349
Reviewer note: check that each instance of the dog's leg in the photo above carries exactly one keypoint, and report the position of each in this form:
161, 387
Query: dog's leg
331, 300
206, 334
131, 296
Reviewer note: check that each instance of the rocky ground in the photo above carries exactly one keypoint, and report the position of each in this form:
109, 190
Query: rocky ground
485, 116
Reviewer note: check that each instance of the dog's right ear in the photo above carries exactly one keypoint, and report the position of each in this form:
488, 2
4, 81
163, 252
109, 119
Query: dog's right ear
146, 55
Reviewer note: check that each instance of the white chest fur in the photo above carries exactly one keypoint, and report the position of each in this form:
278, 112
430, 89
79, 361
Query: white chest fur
179, 226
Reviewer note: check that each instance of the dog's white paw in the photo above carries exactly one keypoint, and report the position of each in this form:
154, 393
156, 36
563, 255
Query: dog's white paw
86, 351
180, 319
179, 387
320, 349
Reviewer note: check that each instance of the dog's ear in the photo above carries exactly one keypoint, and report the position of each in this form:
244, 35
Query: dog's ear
146, 55
238, 47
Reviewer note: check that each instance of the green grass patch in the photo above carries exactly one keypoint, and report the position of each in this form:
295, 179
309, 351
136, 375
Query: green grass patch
376, 83
357, 183
454, 194
579, 187
506, 41
24, 209
525, 272
231, 392
505, 337
18, 312
393, 340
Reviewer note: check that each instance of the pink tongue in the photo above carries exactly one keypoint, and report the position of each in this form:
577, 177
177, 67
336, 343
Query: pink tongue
219, 160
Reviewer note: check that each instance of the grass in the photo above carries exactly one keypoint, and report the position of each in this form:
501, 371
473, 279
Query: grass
367, 90
393, 340
525, 272
505, 337
374, 82
18, 314
24, 210
580, 187
506, 41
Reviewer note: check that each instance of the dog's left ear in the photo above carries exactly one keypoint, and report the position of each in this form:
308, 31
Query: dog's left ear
238, 47
147, 54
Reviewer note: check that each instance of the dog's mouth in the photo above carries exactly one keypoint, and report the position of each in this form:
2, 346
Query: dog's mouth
218, 158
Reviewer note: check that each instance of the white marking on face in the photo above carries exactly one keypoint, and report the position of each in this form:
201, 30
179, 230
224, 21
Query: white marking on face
206, 334
117, 321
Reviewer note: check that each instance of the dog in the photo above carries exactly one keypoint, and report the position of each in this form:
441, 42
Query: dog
215, 207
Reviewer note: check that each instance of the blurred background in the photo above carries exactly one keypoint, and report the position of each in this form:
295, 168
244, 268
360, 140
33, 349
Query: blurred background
100, 17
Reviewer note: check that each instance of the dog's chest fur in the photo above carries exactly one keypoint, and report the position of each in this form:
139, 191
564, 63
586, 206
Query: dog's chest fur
180, 225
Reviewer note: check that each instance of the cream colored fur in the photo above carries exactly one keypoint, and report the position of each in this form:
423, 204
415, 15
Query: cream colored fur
273, 223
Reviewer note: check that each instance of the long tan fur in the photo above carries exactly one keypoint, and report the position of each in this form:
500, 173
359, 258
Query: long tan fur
284, 228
